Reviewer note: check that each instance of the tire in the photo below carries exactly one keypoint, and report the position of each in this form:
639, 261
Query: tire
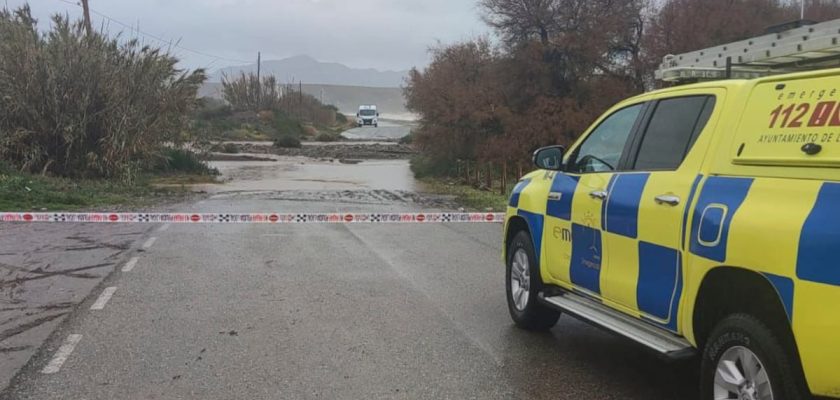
729, 339
376, 125
527, 312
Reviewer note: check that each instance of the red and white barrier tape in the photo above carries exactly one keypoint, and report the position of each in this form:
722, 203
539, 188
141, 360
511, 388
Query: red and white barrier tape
253, 218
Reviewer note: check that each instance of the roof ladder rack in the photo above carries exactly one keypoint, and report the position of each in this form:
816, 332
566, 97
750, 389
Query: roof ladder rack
803, 47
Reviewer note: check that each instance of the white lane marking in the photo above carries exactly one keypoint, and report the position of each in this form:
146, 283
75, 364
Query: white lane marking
99, 304
130, 264
164, 227
149, 243
61, 355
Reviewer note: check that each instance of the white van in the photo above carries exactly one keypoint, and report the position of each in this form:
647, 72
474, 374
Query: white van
367, 115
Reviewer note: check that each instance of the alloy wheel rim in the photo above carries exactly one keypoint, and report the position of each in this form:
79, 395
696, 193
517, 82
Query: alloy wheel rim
741, 375
520, 279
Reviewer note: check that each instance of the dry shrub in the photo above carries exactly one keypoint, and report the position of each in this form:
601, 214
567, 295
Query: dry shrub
265, 116
310, 130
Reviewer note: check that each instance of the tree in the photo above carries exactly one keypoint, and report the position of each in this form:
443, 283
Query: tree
817, 10
578, 37
685, 25
457, 99
520, 21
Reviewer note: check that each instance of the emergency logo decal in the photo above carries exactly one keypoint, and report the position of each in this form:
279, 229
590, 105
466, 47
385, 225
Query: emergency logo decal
587, 255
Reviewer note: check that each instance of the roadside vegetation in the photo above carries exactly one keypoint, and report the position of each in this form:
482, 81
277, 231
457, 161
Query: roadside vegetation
89, 120
85, 105
485, 106
263, 110
466, 195
35, 192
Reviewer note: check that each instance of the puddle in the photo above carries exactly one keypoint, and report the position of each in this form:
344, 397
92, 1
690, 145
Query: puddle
299, 173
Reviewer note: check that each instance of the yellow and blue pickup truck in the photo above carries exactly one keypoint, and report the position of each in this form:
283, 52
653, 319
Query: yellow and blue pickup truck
696, 220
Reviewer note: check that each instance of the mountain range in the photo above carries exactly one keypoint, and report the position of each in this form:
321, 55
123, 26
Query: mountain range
310, 71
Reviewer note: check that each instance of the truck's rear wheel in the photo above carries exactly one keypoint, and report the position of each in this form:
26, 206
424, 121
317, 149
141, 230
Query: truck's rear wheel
743, 359
523, 282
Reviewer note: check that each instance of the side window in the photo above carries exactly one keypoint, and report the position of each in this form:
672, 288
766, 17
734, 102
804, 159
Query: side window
602, 149
673, 128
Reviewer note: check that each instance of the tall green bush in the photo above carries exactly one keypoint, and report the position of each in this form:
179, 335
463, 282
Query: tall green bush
80, 105
248, 93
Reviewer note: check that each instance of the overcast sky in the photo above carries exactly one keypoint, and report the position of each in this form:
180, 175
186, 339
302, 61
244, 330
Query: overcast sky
381, 34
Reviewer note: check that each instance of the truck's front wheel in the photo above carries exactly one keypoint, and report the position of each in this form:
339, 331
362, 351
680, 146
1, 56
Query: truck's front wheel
523, 283
744, 360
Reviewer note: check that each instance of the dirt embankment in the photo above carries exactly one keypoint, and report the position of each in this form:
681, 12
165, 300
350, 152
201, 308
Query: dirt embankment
368, 151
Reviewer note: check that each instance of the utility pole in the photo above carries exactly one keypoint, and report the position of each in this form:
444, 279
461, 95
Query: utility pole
802, 9
86, 10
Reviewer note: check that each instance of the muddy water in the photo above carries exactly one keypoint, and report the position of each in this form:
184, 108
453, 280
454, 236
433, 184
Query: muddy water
387, 130
348, 143
299, 173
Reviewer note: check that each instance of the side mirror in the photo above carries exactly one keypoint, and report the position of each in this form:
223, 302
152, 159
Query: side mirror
357, 114
549, 158
377, 114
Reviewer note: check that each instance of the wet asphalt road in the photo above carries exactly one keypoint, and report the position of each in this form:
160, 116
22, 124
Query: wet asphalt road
329, 311
45, 272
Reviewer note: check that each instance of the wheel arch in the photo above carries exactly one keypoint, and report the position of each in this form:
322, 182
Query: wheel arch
727, 290
515, 224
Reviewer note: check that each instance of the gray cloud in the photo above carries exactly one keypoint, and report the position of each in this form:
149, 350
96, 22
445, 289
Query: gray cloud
382, 34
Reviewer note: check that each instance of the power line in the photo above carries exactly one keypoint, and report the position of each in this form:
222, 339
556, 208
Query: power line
160, 39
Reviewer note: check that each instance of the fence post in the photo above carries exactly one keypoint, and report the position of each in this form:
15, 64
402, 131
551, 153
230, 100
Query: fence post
503, 186
477, 173
467, 172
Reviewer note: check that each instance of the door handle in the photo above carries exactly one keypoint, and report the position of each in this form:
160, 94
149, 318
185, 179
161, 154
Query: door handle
667, 199
555, 196
598, 194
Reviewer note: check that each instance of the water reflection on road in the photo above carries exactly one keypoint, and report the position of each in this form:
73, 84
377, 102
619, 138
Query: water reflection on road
387, 130
298, 173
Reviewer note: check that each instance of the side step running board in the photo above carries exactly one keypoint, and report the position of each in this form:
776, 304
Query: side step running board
659, 340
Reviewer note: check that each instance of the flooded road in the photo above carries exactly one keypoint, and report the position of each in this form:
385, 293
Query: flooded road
300, 173
387, 130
